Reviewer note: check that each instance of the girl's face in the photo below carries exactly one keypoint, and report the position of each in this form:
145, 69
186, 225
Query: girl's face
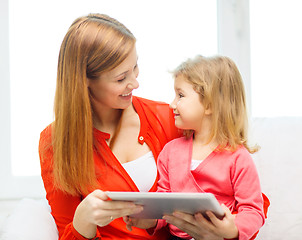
187, 107
114, 88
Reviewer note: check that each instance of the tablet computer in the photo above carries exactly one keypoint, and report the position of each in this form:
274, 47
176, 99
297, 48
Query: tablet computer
157, 204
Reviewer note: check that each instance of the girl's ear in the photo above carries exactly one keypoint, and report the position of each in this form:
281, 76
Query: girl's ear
208, 109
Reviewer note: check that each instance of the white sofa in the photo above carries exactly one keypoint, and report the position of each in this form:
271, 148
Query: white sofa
279, 163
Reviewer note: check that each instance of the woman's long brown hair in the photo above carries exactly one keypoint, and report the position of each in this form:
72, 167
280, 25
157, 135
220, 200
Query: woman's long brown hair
93, 44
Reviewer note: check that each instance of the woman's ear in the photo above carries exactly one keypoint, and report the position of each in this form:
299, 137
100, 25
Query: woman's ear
88, 81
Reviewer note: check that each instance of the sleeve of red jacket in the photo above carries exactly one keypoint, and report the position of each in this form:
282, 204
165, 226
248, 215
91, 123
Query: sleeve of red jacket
62, 205
250, 216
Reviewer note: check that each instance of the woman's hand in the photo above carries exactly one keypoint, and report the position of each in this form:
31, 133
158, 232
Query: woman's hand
95, 211
139, 223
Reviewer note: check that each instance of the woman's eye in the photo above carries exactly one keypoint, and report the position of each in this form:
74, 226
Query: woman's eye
180, 95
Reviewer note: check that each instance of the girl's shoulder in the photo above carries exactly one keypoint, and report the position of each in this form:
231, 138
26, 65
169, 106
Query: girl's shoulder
240, 150
179, 143
239, 156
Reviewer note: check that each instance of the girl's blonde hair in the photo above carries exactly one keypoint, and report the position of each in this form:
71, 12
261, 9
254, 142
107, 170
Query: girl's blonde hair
93, 44
218, 82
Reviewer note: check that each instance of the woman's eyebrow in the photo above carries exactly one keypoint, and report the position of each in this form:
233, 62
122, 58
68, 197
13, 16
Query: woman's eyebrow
125, 71
121, 74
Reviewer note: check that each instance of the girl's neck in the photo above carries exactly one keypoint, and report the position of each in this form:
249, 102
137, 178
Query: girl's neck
202, 147
203, 132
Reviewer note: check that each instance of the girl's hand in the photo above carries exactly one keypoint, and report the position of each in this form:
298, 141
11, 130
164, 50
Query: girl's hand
225, 228
139, 223
192, 226
95, 211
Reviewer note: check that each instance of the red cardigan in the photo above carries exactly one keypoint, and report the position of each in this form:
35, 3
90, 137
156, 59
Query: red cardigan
157, 128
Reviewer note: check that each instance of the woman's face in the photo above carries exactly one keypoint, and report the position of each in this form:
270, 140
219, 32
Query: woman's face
113, 89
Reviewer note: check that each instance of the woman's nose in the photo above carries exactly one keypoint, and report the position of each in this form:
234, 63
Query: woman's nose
133, 81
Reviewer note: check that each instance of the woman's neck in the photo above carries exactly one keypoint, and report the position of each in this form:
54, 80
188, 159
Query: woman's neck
106, 120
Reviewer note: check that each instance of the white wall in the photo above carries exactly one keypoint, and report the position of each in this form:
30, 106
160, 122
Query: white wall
10, 187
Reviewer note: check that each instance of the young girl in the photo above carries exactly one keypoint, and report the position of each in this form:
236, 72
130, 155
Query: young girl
214, 156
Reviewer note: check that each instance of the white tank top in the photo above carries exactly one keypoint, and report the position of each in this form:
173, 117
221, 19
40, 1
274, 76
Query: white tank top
195, 164
143, 171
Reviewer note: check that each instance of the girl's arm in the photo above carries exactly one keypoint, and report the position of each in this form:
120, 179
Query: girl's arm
247, 192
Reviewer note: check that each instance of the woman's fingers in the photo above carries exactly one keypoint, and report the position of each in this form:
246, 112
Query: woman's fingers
120, 208
101, 211
121, 212
128, 222
100, 194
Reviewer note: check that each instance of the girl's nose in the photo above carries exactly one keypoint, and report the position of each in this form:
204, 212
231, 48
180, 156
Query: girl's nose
173, 104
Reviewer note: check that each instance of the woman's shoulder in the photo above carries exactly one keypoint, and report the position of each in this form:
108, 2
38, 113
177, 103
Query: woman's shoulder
149, 102
153, 110
45, 135
46, 130
158, 117
45, 141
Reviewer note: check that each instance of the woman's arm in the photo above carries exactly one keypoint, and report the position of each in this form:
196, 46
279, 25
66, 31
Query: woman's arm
78, 218
95, 211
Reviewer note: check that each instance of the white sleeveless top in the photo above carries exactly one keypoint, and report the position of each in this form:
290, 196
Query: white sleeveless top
195, 164
143, 171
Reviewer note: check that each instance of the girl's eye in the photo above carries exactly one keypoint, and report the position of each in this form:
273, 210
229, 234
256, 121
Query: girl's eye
180, 95
122, 79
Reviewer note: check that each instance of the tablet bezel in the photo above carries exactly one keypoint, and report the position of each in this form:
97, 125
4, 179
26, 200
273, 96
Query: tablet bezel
157, 204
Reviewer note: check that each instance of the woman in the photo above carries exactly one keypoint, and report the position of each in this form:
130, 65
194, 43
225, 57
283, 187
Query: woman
103, 138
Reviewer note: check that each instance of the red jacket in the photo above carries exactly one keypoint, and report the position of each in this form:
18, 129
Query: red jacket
157, 128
